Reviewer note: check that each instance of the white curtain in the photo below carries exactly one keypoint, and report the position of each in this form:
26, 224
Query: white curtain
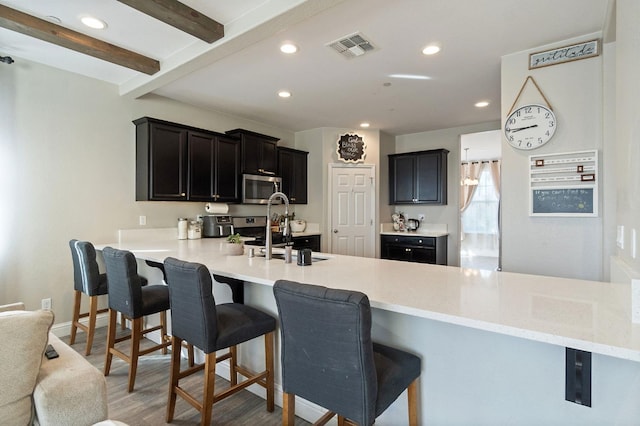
468, 171
480, 221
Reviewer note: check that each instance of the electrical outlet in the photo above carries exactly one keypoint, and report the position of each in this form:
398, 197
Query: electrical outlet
421, 217
46, 304
143, 220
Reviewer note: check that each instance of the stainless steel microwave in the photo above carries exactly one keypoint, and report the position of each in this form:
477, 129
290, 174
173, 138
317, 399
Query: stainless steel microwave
256, 189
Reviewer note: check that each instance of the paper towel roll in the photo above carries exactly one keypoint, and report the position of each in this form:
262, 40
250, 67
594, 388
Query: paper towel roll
217, 208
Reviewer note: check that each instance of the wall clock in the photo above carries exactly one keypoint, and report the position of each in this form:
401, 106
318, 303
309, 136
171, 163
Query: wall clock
530, 126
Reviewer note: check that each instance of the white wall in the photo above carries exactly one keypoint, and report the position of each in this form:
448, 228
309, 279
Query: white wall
449, 214
564, 247
627, 60
322, 143
67, 170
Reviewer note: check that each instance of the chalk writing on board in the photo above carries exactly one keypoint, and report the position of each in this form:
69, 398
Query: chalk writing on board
351, 148
563, 200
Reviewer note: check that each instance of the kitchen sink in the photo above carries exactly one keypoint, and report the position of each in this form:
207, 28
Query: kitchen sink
281, 256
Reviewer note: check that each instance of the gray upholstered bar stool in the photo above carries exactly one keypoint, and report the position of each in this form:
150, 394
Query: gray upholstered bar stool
196, 318
129, 297
328, 356
88, 280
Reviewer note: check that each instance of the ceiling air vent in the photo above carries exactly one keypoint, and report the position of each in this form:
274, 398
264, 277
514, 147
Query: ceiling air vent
352, 45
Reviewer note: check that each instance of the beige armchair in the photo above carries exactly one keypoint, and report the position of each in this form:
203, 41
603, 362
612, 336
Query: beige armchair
66, 390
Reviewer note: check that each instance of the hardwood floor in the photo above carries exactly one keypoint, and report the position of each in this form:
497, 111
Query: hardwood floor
147, 404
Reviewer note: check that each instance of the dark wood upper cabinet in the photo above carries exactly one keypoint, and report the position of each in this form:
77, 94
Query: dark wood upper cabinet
418, 177
292, 168
227, 170
259, 152
161, 161
181, 163
213, 168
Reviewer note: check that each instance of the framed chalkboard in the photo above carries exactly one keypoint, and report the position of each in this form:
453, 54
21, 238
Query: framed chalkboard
563, 201
351, 148
564, 184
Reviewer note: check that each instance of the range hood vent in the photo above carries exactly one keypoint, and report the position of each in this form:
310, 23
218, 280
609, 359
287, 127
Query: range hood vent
352, 45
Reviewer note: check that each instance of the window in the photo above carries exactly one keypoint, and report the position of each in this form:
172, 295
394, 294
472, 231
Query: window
481, 217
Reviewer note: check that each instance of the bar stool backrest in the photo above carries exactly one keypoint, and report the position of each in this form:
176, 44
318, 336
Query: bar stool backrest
86, 276
327, 352
125, 288
193, 307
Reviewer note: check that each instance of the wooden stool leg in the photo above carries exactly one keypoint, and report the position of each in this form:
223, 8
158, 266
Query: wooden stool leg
176, 344
123, 322
288, 409
209, 388
163, 330
233, 365
191, 357
93, 313
76, 316
268, 351
111, 339
412, 396
136, 333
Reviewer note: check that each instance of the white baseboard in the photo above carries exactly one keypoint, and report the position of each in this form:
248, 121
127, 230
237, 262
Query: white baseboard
64, 329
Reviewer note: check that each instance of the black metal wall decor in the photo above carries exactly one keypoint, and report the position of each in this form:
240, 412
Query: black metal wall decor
351, 148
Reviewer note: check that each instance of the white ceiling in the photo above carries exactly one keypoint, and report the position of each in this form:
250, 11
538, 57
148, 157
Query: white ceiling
242, 73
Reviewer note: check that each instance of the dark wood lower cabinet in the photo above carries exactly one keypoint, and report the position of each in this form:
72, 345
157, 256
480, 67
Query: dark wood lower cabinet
308, 241
414, 249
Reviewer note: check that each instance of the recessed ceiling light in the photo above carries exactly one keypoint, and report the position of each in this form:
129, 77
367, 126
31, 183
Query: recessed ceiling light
364, 125
482, 104
289, 48
284, 94
95, 23
410, 76
432, 49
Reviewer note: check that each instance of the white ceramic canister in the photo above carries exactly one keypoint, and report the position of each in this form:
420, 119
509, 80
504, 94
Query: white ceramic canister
195, 230
182, 228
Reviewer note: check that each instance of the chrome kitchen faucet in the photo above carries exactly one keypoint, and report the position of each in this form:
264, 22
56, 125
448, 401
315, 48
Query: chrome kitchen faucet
285, 231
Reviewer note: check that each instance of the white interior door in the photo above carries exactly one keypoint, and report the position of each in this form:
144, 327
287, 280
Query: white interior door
352, 200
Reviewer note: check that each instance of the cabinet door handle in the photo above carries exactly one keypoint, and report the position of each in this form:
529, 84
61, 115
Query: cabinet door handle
335, 231
182, 194
407, 249
266, 172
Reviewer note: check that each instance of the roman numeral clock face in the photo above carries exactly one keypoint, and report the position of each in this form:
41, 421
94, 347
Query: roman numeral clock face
530, 127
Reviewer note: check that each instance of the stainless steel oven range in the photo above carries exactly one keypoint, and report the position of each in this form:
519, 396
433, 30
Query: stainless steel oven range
256, 227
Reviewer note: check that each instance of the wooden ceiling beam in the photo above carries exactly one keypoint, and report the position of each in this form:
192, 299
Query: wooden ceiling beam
180, 16
15, 20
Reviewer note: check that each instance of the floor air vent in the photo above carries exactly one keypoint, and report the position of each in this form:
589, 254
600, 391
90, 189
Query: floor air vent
352, 46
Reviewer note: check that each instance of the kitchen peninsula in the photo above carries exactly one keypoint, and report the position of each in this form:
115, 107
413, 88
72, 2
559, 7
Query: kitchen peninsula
492, 343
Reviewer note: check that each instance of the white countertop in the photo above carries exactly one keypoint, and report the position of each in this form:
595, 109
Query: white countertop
304, 234
585, 315
424, 230
418, 233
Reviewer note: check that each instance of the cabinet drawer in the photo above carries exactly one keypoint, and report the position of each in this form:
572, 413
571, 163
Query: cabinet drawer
409, 241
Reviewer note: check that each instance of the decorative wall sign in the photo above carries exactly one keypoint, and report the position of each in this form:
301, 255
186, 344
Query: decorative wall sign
351, 148
574, 52
564, 184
